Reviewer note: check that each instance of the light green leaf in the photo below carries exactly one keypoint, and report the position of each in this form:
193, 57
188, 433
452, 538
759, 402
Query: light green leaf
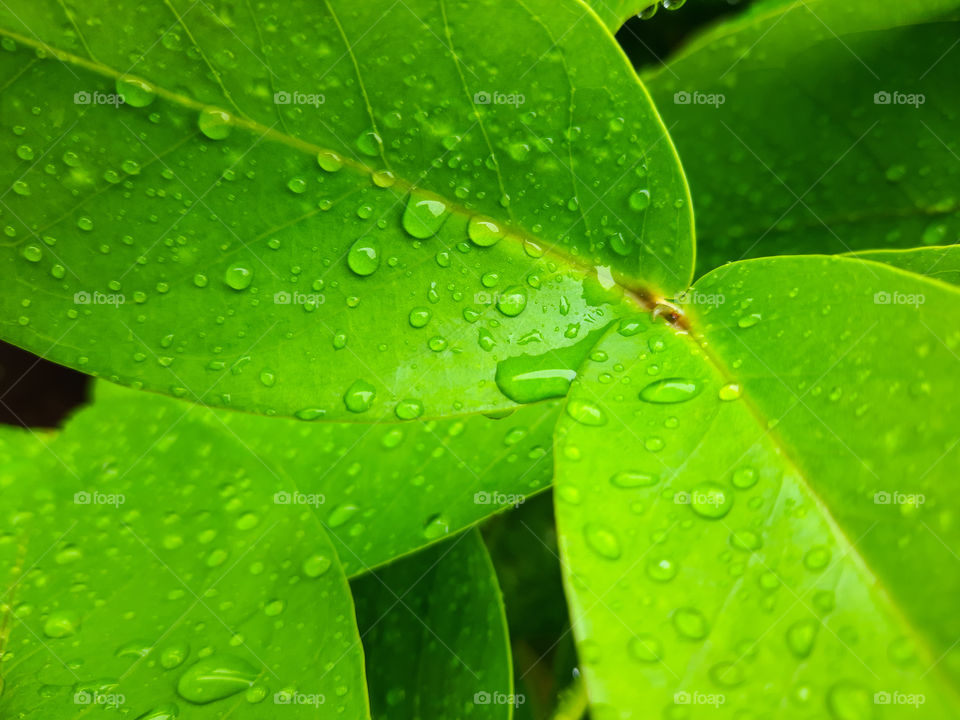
140, 577
776, 117
939, 263
379, 490
757, 516
200, 240
435, 636
614, 13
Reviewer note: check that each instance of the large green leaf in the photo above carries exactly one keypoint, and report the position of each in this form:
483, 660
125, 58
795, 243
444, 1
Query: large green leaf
757, 517
435, 636
785, 146
489, 193
940, 263
140, 577
379, 490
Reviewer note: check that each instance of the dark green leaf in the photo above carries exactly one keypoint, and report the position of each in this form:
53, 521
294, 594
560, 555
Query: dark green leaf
435, 636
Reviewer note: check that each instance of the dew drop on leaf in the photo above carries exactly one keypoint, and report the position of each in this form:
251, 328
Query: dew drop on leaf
238, 276
484, 231
214, 123
602, 540
135, 92
690, 623
670, 390
709, 500
364, 257
359, 396
645, 648
216, 677
424, 215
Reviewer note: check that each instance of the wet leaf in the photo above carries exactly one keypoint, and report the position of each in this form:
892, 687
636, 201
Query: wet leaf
802, 133
780, 541
435, 635
333, 210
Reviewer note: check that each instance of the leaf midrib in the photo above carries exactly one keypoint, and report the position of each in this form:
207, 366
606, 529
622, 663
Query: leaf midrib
643, 296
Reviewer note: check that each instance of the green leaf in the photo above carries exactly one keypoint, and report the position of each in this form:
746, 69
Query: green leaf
758, 514
226, 236
614, 13
141, 576
379, 490
939, 263
435, 635
776, 118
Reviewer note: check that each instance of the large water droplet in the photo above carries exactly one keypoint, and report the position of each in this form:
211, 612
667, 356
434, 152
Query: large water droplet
670, 390
135, 92
424, 214
645, 648
690, 623
586, 413
214, 123
364, 257
801, 635
512, 301
484, 231
215, 678
359, 396
710, 500
238, 276
602, 540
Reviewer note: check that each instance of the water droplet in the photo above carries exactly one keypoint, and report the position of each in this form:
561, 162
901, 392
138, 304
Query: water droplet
727, 674
33, 253
631, 479
817, 558
135, 92
602, 540
297, 185
359, 396
746, 540
710, 500
436, 526
409, 409
424, 215
364, 257
341, 514
743, 478
484, 231
214, 123
849, 701
586, 413
645, 648
661, 569
419, 317
61, 624
369, 143
690, 623
316, 565
801, 636
670, 390
329, 161
173, 655
512, 301
640, 200
748, 321
216, 677
730, 391
238, 276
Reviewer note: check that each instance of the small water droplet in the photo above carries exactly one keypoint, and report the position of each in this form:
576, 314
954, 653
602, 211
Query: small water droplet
216, 677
